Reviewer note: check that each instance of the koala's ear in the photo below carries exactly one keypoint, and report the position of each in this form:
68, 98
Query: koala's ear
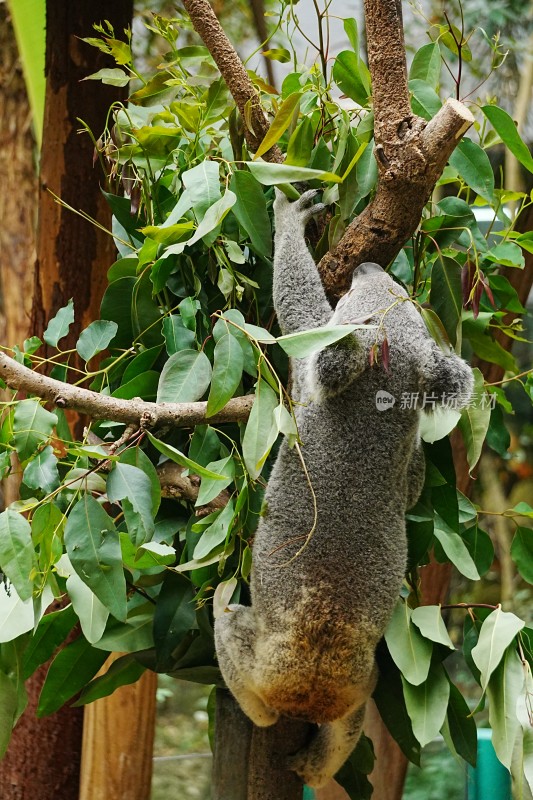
447, 377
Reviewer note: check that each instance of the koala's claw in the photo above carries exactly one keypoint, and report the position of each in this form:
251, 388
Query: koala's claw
302, 763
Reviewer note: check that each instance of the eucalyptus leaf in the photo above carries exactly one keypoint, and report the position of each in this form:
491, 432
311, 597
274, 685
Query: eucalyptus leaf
59, 326
427, 704
92, 613
32, 424
93, 547
428, 619
122, 672
41, 472
96, 337
71, 669
497, 632
227, 373
16, 551
180, 458
410, 651
184, 378
503, 691
257, 439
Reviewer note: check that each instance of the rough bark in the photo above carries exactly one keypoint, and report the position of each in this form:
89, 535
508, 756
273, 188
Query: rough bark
18, 206
234, 73
43, 760
410, 152
72, 254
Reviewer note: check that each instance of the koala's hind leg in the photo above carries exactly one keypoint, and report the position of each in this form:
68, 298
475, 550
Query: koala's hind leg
235, 645
317, 763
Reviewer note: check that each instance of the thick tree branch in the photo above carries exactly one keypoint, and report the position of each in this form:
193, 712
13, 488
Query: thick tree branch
100, 406
410, 152
177, 485
234, 73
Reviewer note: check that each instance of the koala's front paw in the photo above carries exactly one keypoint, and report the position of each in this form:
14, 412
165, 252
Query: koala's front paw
299, 212
310, 766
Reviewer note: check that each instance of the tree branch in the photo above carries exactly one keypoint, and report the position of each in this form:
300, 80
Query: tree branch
410, 152
100, 406
234, 73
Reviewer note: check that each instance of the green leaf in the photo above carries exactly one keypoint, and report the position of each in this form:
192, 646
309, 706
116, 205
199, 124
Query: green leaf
122, 672
111, 77
280, 123
427, 704
184, 378
506, 254
270, 174
227, 372
425, 101
426, 65
389, 699
71, 669
16, 616
503, 691
209, 489
216, 533
96, 337
473, 165
497, 632
32, 424
301, 143
129, 637
251, 211
116, 306
203, 185
410, 651
58, 327
304, 343
480, 547
180, 458
446, 294
9, 701
475, 420
351, 76
93, 547
522, 552
462, 727
138, 458
16, 551
177, 336
428, 619
128, 482
175, 615
257, 439
143, 386
506, 129
51, 631
145, 313
41, 472
455, 548
92, 613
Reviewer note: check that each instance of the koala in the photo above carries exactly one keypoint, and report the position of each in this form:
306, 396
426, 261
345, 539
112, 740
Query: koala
330, 551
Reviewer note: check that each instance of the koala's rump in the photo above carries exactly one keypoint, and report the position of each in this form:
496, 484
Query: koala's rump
316, 669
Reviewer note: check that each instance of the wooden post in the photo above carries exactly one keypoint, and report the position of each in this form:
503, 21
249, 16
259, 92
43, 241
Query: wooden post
118, 742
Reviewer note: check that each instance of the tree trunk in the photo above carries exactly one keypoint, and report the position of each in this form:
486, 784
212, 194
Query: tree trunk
43, 760
18, 180
72, 254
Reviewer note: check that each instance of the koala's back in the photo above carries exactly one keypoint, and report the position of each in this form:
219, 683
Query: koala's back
353, 550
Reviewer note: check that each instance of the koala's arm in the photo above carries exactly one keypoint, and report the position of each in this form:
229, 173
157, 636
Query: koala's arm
446, 377
338, 365
299, 298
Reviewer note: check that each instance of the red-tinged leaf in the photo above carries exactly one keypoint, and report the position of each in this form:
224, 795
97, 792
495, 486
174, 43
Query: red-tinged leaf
478, 291
488, 291
467, 281
385, 354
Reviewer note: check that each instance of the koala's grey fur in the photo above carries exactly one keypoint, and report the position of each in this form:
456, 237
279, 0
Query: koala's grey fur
305, 647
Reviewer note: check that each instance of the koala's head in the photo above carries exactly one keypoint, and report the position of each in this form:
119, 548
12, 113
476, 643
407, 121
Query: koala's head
372, 291
374, 297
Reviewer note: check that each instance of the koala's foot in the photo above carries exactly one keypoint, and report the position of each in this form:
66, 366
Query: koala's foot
311, 766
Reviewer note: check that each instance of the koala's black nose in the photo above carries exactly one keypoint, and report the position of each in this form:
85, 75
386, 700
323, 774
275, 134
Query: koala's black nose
368, 268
